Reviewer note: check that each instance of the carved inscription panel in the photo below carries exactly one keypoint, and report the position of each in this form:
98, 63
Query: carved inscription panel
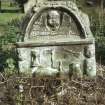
54, 23
52, 60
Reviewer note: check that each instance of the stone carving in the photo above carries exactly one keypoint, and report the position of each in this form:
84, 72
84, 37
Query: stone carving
57, 41
90, 63
53, 20
28, 5
52, 23
90, 67
89, 51
24, 60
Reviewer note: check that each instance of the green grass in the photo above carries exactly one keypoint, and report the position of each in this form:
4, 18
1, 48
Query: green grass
6, 5
7, 17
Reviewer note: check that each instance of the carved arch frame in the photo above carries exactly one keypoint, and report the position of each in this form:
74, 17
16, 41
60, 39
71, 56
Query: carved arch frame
77, 16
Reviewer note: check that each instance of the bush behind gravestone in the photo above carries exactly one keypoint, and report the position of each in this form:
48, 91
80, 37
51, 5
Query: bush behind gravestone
7, 52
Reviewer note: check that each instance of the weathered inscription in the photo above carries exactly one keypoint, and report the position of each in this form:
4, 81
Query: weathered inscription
54, 23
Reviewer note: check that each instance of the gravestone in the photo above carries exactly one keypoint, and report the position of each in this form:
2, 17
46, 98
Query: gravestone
57, 40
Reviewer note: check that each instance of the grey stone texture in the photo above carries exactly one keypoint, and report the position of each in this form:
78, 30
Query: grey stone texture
57, 40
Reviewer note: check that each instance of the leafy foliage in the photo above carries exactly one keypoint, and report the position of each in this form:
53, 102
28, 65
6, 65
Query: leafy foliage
8, 54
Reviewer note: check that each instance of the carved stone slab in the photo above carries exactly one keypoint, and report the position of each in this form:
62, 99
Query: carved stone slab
57, 41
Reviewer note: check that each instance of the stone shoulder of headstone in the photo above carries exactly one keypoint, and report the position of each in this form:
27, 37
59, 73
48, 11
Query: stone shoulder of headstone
28, 5
43, 3
68, 4
72, 5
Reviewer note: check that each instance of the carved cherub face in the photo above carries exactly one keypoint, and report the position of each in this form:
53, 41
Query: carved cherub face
89, 51
53, 20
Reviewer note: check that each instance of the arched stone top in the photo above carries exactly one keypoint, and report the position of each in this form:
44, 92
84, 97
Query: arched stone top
38, 27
